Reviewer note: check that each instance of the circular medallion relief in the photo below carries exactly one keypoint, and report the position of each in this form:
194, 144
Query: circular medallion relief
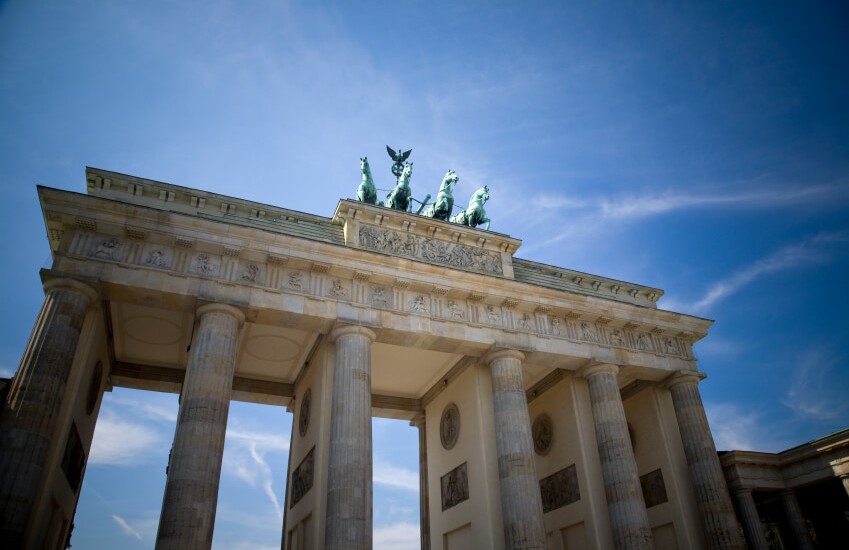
449, 426
543, 432
304, 416
94, 388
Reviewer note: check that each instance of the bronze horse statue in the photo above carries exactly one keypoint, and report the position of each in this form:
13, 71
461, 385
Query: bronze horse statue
366, 192
441, 208
475, 214
400, 198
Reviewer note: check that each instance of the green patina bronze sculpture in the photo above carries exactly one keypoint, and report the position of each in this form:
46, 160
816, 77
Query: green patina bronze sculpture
366, 192
441, 209
475, 214
400, 197
398, 158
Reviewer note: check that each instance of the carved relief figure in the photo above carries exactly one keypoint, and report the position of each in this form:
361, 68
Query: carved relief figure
296, 280
494, 316
588, 332
642, 341
449, 426
204, 265
616, 337
559, 489
455, 486
543, 432
338, 290
156, 258
304, 416
378, 296
554, 324
250, 273
419, 305
525, 322
455, 310
302, 478
671, 346
108, 249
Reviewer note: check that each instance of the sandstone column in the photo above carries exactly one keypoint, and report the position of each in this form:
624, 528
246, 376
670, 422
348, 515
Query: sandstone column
30, 417
424, 498
751, 520
845, 479
625, 505
521, 503
793, 515
191, 491
349, 476
717, 511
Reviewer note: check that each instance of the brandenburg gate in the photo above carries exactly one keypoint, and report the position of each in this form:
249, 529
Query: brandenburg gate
555, 409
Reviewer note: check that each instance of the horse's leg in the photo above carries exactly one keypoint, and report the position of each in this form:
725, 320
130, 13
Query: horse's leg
487, 223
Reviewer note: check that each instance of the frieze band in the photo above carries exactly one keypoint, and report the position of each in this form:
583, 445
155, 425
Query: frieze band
430, 250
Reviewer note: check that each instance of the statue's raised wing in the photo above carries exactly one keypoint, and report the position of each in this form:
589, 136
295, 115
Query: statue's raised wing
392, 154
405, 155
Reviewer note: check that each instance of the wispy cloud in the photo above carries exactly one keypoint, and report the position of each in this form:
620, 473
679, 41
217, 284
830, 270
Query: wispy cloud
120, 442
791, 256
737, 428
815, 391
246, 460
399, 536
125, 527
393, 476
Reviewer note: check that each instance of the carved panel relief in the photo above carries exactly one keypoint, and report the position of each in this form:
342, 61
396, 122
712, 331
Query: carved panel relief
302, 478
157, 256
107, 249
559, 489
430, 250
449, 426
304, 414
455, 486
339, 289
206, 264
543, 433
251, 273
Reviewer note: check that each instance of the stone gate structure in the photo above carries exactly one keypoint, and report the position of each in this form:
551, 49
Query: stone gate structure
555, 409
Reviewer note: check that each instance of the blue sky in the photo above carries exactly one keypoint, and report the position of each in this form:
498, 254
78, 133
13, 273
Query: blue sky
699, 148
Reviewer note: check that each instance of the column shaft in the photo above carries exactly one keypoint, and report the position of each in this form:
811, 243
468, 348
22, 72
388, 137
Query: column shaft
29, 421
424, 497
191, 491
349, 476
626, 507
521, 503
714, 503
796, 522
751, 520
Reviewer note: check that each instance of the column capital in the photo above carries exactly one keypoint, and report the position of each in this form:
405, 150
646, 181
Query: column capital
221, 308
418, 421
683, 377
502, 353
744, 491
344, 330
72, 285
596, 368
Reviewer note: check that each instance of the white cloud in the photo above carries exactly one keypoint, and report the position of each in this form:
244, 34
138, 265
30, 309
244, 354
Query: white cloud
126, 528
733, 428
6, 372
120, 442
246, 460
791, 256
393, 476
815, 393
399, 536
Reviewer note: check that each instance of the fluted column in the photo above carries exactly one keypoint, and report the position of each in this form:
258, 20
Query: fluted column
793, 515
191, 491
714, 503
628, 517
751, 520
521, 504
30, 415
349, 476
845, 480
424, 498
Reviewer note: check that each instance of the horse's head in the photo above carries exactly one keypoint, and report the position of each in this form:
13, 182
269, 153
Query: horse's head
364, 164
405, 175
482, 194
450, 179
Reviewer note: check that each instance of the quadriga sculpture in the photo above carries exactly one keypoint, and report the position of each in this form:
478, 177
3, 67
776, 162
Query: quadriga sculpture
400, 197
475, 214
441, 208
